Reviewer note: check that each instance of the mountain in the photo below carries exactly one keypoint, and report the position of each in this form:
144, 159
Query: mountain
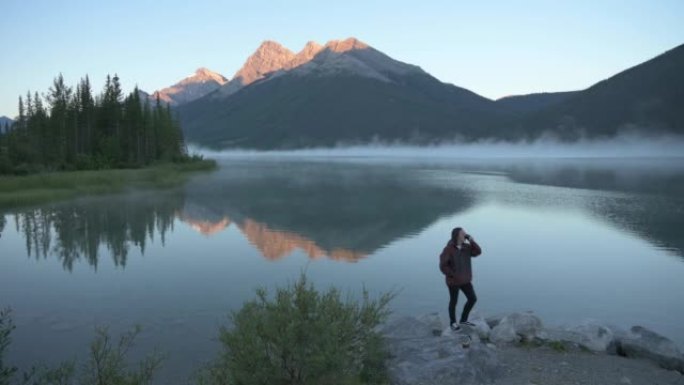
268, 58
199, 84
342, 92
347, 92
5, 122
647, 98
533, 102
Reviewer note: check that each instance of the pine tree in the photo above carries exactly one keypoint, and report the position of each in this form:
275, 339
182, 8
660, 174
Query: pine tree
85, 117
79, 131
40, 130
22, 117
58, 97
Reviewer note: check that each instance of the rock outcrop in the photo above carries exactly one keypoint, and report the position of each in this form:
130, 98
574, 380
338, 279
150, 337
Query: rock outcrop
517, 327
423, 350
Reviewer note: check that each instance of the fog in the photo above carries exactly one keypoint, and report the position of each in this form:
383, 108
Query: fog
625, 146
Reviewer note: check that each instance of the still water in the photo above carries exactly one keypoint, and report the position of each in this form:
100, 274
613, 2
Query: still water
570, 239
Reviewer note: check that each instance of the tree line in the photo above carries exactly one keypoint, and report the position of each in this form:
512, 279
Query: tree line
70, 129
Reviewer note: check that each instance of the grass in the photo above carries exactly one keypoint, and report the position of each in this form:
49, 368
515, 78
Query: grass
46, 187
558, 346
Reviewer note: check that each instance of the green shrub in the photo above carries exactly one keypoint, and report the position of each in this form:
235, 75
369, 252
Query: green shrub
303, 336
6, 327
558, 346
106, 365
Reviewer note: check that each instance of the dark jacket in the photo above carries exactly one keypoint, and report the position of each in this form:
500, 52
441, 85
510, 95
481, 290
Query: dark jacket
455, 263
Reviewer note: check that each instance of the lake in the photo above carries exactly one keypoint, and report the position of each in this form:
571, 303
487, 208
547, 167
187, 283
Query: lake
570, 239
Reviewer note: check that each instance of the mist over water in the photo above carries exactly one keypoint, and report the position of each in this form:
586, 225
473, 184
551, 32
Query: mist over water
624, 146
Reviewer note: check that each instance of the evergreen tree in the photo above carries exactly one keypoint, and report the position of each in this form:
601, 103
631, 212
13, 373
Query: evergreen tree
78, 131
21, 112
58, 98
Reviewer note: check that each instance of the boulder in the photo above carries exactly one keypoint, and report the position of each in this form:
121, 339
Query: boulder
592, 336
517, 327
494, 320
408, 328
479, 332
417, 356
481, 328
641, 342
434, 322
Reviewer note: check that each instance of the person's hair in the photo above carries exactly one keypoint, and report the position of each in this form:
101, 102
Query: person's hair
454, 233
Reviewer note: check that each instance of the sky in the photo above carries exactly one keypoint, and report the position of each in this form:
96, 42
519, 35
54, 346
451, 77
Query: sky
494, 48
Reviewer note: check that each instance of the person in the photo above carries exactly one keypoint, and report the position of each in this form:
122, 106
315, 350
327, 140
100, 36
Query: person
454, 262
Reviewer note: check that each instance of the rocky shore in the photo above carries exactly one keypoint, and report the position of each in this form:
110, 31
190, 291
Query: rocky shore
518, 349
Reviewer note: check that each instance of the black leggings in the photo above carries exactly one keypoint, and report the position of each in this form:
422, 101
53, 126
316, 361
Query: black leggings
469, 292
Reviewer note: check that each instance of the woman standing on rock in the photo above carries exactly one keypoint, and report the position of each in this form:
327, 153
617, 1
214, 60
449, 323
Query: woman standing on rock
454, 262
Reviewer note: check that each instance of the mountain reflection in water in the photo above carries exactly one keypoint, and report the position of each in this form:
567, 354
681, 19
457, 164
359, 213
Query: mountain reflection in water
347, 210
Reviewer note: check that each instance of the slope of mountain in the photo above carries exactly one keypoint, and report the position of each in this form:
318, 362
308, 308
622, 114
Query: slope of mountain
648, 98
201, 83
348, 92
533, 102
5, 122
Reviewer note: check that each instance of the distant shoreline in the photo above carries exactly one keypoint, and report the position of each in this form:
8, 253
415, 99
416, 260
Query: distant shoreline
18, 191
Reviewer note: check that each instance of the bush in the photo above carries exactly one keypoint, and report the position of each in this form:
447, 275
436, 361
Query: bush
106, 364
301, 337
6, 327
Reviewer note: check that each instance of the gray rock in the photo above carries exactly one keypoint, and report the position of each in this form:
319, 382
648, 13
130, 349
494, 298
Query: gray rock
493, 320
407, 328
614, 348
481, 328
591, 336
640, 342
504, 334
479, 332
517, 327
419, 357
434, 322
442, 361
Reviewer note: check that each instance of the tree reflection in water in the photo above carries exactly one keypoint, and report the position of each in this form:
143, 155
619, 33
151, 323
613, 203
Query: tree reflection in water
74, 231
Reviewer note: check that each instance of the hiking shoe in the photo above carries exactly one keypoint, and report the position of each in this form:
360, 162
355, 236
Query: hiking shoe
455, 327
467, 323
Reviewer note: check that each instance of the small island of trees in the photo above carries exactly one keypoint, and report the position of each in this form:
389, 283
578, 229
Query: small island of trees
70, 129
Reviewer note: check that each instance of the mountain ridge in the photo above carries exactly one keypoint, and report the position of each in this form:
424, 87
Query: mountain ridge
202, 82
5, 122
348, 92
645, 98
343, 76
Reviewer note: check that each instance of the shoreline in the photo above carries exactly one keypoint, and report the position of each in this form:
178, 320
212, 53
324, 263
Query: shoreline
517, 348
18, 191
